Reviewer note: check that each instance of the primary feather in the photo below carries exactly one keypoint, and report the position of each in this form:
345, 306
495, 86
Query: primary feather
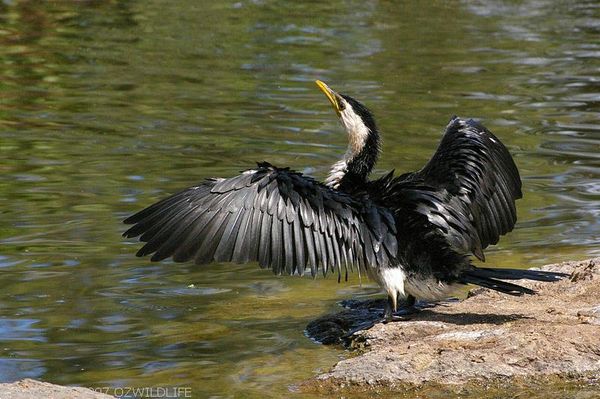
284, 220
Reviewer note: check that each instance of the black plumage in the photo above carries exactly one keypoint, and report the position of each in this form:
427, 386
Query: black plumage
412, 233
246, 218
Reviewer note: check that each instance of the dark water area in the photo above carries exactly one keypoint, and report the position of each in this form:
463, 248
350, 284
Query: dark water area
107, 106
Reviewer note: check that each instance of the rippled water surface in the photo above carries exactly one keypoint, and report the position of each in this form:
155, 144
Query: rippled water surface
106, 106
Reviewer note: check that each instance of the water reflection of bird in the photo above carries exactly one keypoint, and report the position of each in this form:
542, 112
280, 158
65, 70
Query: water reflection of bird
413, 234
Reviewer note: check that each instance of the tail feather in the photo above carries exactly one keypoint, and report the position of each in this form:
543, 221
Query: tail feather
517, 274
489, 278
497, 285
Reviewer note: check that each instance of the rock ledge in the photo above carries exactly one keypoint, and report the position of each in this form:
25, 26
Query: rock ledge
487, 338
32, 389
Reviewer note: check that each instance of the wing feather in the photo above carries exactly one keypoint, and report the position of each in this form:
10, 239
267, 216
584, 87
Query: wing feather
299, 244
288, 247
277, 263
467, 191
241, 250
224, 251
280, 218
264, 249
252, 242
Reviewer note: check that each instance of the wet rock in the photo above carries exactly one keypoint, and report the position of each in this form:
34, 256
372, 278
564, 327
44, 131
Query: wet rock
333, 329
338, 328
32, 389
487, 337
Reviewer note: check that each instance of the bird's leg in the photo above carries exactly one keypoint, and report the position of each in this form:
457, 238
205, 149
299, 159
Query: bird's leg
391, 313
409, 308
410, 301
390, 307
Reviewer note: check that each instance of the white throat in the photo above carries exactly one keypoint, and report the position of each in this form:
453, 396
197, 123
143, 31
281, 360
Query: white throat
357, 136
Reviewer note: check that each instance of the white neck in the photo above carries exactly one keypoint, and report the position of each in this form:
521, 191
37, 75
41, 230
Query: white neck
357, 135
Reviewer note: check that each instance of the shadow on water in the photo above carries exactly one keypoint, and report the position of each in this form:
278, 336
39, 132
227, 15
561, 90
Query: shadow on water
107, 106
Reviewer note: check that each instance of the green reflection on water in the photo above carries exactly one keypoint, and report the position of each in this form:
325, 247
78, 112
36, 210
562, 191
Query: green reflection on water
106, 106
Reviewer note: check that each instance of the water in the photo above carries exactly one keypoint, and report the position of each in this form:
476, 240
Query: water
107, 106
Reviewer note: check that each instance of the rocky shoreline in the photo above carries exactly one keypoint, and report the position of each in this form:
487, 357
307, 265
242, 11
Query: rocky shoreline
487, 339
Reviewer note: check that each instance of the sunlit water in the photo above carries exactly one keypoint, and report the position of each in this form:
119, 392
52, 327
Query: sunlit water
107, 106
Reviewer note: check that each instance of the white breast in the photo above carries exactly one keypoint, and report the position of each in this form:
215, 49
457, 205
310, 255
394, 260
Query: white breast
392, 281
396, 283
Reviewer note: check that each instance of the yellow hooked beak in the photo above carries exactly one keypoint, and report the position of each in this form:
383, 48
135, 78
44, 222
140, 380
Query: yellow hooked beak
331, 95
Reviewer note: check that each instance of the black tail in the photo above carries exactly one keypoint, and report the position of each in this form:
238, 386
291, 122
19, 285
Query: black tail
487, 277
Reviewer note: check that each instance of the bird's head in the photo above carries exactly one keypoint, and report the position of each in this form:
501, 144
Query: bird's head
363, 137
356, 119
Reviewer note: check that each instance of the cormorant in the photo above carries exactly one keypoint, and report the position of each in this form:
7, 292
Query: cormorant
413, 234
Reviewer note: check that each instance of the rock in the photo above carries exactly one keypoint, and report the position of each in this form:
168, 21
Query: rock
488, 337
337, 328
32, 389
332, 329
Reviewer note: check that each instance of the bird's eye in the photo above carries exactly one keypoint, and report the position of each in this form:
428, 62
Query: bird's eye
341, 104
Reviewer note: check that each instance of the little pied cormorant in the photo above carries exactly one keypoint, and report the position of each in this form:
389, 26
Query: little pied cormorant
413, 234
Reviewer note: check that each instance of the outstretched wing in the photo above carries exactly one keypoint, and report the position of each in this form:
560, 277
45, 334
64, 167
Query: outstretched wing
463, 199
477, 169
280, 218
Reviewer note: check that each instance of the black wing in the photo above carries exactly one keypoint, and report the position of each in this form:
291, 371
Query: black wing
477, 169
280, 218
462, 200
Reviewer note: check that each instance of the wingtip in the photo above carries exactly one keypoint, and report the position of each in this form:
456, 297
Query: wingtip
478, 252
132, 219
130, 233
127, 234
157, 257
